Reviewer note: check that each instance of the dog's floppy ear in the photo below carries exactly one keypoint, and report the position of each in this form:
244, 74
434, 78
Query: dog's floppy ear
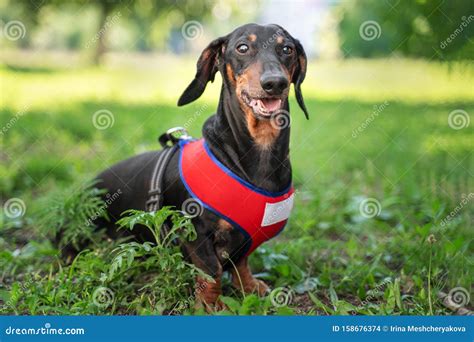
299, 75
207, 67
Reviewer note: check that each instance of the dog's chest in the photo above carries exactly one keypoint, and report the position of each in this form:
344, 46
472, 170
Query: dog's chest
258, 214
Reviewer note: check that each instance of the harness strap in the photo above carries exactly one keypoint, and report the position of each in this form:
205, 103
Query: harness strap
155, 200
155, 192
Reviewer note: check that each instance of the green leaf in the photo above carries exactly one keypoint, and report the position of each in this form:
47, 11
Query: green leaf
249, 305
333, 296
320, 304
285, 311
231, 303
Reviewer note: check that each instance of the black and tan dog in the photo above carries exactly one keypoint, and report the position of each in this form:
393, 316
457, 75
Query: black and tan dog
257, 64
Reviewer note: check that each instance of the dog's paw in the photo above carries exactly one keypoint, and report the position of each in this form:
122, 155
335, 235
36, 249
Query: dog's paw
207, 295
261, 288
220, 306
216, 306
254, 286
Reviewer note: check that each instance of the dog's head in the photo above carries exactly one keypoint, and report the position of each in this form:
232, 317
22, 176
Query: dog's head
258, 63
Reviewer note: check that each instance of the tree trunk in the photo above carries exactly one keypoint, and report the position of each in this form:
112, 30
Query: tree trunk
104, 11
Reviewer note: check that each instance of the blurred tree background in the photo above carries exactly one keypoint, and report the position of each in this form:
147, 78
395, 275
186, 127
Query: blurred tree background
103, 25
414, 28
433, 29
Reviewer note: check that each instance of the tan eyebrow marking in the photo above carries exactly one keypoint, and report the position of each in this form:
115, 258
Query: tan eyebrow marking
280, 39
252, 37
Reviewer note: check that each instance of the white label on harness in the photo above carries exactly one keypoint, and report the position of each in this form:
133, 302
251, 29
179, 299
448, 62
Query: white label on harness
276, 212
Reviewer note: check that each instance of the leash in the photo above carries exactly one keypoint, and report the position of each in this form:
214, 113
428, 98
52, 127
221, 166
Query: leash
169, 141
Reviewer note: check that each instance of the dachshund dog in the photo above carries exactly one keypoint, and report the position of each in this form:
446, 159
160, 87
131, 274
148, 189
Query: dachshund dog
257, 64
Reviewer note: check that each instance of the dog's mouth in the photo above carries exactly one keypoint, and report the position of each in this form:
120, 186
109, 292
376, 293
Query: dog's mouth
263, 107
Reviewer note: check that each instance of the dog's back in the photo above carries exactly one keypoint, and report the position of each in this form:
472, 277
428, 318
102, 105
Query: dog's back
126, 184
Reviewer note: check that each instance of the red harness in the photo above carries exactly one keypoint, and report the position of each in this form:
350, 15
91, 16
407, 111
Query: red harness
259, 214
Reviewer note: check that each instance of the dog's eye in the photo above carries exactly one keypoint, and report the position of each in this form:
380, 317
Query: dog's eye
287, 50
242, 48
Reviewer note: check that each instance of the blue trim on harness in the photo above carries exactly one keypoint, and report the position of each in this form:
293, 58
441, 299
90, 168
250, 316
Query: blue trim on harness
242, 181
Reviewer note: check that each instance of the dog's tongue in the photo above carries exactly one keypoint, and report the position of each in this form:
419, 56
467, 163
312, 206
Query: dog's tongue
271, 104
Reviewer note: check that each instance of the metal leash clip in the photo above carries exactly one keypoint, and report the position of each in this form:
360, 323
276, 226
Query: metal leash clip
173, 135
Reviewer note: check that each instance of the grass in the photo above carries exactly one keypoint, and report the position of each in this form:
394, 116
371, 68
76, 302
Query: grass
378, 135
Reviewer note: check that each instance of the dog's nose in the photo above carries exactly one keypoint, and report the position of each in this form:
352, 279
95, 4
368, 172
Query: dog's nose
274, 84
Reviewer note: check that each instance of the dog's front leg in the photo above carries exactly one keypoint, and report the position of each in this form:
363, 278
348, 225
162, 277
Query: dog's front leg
202, 254
242, 278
